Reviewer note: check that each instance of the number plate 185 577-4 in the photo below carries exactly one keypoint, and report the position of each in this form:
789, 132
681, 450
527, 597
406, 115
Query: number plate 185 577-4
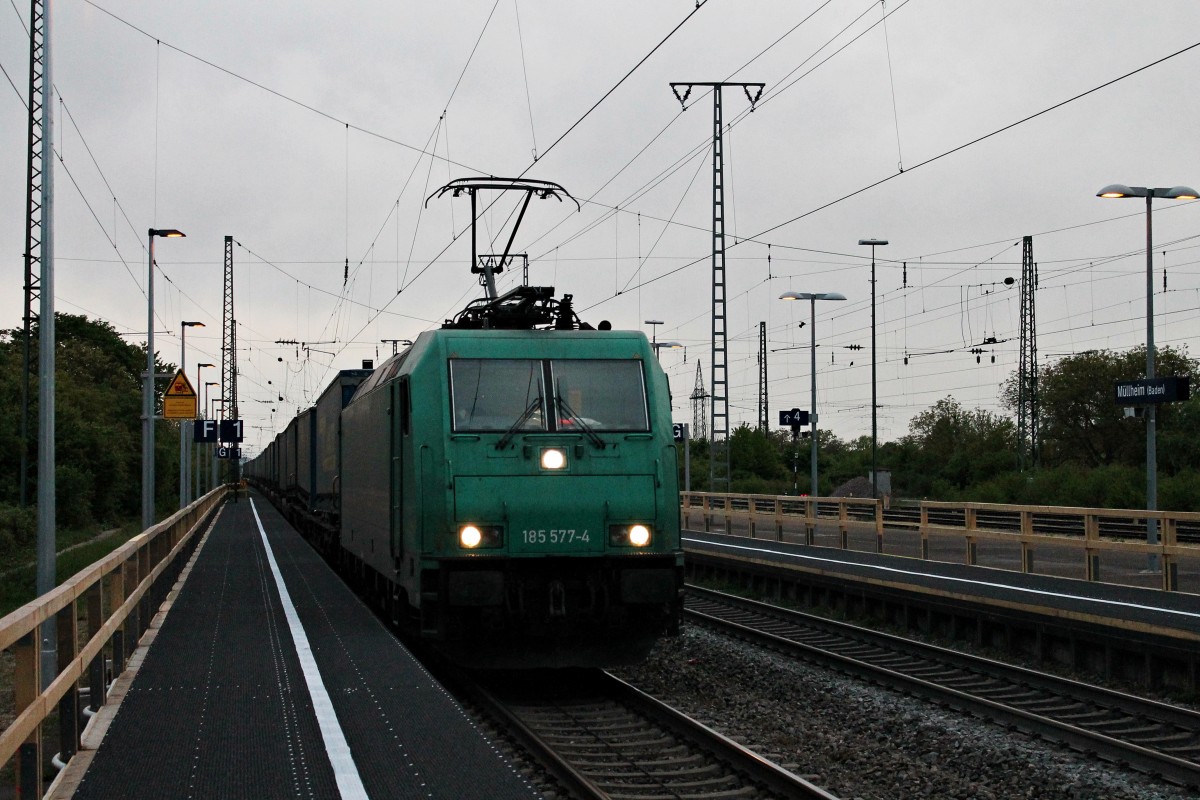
555, 536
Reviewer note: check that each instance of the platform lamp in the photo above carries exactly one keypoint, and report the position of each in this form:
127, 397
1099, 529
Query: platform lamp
1118, 190
184, 446
148, 384
812, 298
191, 440
874, 402
665, 346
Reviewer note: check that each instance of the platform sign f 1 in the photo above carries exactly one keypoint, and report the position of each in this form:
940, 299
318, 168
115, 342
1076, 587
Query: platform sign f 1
231, 430
793, 418
204, 430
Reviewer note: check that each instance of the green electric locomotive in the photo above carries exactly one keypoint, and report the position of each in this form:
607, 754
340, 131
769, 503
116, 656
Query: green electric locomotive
514, 494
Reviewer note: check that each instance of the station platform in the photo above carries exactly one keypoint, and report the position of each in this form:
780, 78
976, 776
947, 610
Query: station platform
1133, 610
268, 678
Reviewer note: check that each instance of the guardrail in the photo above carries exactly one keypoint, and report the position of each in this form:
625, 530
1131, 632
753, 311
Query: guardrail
100, 613
1090, 530
759, 509
1046, 524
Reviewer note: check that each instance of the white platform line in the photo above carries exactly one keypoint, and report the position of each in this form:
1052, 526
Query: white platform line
345, 771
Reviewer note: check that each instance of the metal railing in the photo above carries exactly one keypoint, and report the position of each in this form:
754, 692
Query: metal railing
776, 512
1091, 531
100, 614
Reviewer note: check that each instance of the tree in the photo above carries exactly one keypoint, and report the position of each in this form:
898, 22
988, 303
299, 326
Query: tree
754, 459
951, 446
98, 409
1082, 424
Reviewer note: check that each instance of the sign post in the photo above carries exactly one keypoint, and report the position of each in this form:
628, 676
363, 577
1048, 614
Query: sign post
179, 403
180, 400
795, 419
683, 433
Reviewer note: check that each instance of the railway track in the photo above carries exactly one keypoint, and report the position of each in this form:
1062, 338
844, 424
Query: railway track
1152, 737
602, 738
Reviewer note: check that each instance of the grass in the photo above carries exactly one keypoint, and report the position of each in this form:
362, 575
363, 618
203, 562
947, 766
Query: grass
77, 549
18, 581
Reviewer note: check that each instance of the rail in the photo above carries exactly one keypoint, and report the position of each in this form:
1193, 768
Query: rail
99, 612
1091, 531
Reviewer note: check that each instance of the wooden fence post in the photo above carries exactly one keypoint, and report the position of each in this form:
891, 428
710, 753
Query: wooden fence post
27, 682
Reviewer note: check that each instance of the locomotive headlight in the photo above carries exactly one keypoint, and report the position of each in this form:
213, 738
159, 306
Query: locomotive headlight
481, 537
470, 536
553, 458
636, 535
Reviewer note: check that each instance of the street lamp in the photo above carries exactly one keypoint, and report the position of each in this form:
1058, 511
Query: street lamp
183, 326
665, 345
184, 447
874, 405
1117, 190
205, 405
812, 299
148, 385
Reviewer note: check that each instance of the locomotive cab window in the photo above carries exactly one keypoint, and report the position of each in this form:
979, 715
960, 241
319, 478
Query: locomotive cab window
601, 394
497, 394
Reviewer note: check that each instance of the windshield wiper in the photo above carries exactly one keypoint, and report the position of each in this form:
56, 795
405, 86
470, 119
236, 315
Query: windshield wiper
575, 419
521, 420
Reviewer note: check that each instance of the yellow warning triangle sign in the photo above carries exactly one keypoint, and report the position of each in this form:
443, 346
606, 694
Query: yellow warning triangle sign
180, 386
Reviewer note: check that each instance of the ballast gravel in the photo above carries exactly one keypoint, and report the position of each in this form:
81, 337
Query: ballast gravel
862, 742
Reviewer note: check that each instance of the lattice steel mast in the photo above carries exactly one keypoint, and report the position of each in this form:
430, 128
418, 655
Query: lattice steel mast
699, 406
762, 377
1027, 374
718, 463
34, 232
229, 340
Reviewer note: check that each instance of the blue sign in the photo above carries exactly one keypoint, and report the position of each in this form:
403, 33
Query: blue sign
794, 418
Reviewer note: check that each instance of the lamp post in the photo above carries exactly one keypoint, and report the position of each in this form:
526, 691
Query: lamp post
812, 299
183, 431
148, 385
874, 404
1117, 190
654, 323
206, 405
212, 452
192, 458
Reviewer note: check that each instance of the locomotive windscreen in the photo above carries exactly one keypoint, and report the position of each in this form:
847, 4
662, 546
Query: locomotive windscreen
607, 395
489, 395
492, 394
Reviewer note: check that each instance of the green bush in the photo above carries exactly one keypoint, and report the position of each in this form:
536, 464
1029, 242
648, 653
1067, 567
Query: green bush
75, 489
18, 528
1180, 492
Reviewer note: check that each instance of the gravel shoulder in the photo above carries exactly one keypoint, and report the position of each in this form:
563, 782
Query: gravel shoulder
862, 742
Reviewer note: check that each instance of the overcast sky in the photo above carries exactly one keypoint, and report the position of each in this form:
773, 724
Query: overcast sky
313, 132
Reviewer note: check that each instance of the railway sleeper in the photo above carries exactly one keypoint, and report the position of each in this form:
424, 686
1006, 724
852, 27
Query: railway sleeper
681, 764
694, 775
